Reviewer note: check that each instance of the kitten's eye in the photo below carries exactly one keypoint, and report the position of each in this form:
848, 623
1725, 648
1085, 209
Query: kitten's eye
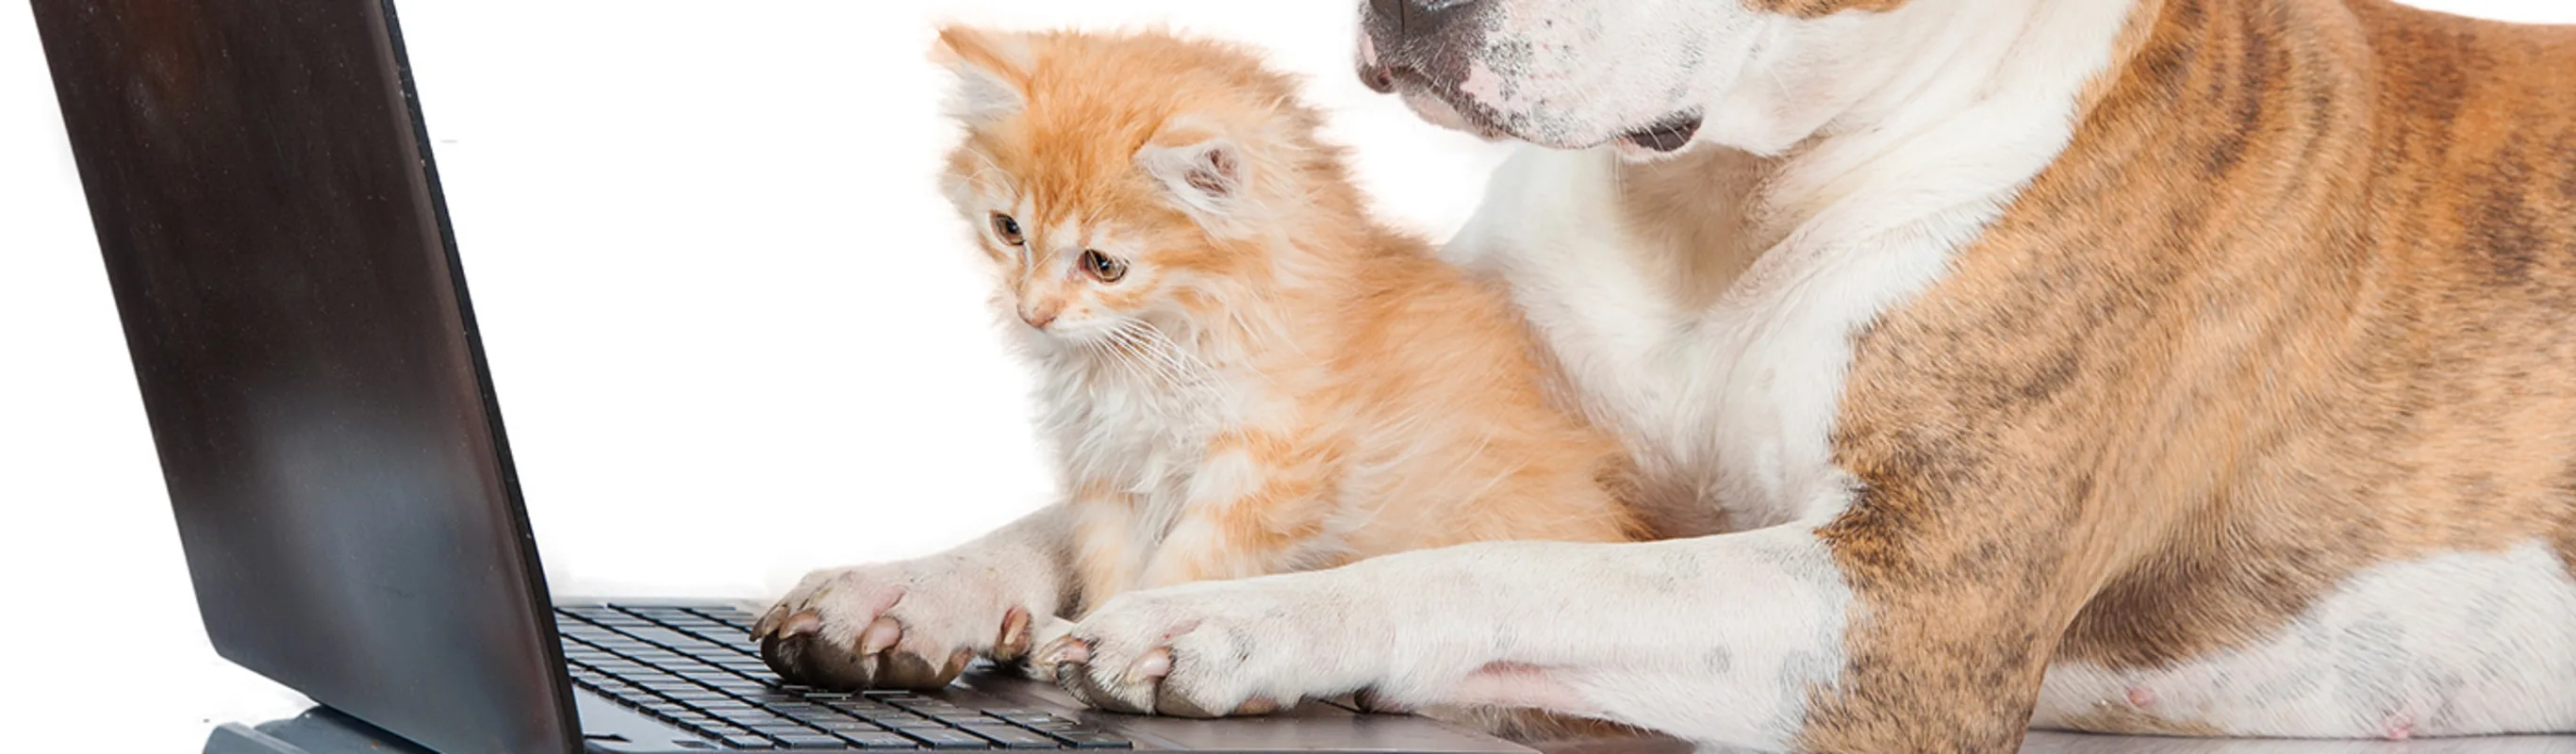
1100, 266
1008, 229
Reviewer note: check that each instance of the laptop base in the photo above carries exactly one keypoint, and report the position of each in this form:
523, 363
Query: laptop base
319, 730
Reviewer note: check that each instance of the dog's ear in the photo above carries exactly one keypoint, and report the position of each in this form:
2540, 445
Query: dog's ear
1206, 177
992, 72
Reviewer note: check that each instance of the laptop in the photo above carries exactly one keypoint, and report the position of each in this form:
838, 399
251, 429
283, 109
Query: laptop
263, 192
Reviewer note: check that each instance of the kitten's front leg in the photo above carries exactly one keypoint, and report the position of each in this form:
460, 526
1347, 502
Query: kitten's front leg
915, 623
1254, 506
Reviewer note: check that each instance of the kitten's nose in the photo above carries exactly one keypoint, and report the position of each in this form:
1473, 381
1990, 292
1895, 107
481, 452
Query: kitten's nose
1040, 315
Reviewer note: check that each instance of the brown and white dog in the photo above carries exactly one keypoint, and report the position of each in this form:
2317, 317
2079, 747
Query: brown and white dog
2180, 366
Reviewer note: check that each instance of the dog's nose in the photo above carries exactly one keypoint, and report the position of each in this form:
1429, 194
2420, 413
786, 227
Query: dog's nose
1414, 19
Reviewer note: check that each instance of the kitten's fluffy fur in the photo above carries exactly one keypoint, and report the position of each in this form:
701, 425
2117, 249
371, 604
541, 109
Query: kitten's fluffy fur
1253, 376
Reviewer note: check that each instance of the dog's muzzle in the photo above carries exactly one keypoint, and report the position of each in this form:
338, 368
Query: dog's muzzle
1408, 21
1410, 34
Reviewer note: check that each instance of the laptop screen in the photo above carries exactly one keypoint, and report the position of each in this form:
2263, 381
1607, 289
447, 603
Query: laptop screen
262, 192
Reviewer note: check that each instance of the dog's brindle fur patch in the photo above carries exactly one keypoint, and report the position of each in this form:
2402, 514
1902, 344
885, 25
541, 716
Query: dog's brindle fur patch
1822, 8
2309, 268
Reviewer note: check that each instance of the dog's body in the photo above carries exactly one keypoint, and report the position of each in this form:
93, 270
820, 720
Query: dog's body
2188, 366
2258, 405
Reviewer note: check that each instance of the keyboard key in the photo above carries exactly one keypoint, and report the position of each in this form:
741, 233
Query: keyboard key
707, 630
716, 678
667, 707
878, 740
1012, 737
769, 695
847, 725
812, 741
907, 722
737, 686
744, 741
586, 613
1095, 740
661, 636
760, 717
785, 706
777, 731
729, 617
813, 719
961, 718
722, 728
946, 738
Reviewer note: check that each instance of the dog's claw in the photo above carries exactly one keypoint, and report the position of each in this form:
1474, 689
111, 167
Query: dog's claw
1369, 700
1083, 686
1013, 643
1154, 665
1176, 705
1064, 650
800, 624
880, 634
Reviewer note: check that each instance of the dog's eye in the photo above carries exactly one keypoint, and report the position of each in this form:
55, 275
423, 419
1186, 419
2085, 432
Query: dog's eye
1008, 229
1102, 267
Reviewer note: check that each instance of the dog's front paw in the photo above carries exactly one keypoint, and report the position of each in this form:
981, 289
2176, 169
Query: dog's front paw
908, 625
1214, 649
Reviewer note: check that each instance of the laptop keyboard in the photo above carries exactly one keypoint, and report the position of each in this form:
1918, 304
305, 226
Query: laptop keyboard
698, 668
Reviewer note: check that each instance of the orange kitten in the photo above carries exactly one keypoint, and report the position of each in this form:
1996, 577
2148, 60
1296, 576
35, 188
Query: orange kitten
1242, 373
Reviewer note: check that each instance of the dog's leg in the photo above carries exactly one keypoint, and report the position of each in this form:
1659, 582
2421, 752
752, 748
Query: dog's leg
1755, 639
914, 624
1719, 639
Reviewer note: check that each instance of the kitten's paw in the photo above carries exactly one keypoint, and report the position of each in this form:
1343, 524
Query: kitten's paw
1210, 650
907, 625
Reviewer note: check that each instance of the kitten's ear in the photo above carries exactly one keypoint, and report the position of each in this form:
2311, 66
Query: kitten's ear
1206, 177
992, 72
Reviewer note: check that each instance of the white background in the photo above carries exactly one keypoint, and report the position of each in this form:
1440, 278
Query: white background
736, 332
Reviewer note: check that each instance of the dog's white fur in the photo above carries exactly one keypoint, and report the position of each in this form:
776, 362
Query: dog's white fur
2389, 638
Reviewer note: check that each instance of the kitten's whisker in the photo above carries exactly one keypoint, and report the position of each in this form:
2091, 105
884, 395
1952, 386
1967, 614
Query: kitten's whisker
1136, 336
1132, 355
1187, 368
1150, 342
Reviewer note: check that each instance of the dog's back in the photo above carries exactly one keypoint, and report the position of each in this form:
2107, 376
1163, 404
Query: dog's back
2310, 342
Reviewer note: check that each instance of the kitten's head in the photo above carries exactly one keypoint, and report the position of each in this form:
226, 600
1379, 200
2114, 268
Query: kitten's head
1127, 180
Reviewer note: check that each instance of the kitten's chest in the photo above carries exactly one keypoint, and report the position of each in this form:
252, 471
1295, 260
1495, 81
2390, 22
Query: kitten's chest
1134, 434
